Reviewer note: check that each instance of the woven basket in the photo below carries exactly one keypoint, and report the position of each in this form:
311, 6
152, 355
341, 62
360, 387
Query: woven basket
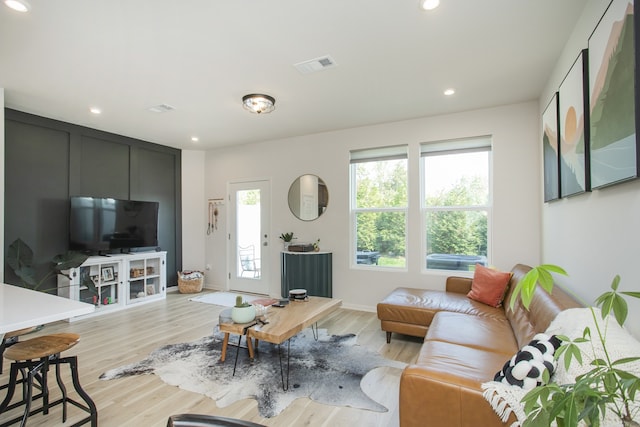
192, 286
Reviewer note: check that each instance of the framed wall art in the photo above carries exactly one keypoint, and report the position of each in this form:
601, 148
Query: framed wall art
551, 150
613, 102
573, 113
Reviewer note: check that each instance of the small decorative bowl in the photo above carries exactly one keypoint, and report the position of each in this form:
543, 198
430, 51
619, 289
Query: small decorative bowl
261, 310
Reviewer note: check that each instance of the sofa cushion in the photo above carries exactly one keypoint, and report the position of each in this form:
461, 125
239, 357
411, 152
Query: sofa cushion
457, 364
418, 306
489, 286
480, 332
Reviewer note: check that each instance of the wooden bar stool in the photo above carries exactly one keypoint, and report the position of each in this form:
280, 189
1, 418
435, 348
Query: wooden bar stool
35, 356
10, 338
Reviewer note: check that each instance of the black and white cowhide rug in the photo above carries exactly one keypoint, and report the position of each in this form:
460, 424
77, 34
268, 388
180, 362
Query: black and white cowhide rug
328, 371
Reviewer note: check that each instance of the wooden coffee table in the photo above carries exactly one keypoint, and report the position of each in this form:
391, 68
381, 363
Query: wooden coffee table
283, 323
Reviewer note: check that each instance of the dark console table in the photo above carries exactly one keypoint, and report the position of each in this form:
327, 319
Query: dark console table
307, 270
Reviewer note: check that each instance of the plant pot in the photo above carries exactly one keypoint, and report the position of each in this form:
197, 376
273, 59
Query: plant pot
243, 314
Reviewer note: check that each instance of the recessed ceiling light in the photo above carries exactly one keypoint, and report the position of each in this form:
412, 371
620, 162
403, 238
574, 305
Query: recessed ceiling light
195, 139
95, 110
429, 4
449, 91
18, 5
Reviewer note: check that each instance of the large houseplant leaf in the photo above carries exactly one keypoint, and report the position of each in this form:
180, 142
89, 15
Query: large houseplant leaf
68, 260
20, 259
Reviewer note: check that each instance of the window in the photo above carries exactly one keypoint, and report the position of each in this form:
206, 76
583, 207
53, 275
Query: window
379, 206
456, 203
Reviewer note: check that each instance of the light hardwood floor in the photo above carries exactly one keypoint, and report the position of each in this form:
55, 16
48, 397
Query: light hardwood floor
127, 336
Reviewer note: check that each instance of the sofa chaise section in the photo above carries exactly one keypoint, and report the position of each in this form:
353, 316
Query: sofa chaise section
465, 344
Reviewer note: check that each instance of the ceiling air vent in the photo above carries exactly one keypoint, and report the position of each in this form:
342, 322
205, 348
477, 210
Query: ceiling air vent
317, 64
162, 108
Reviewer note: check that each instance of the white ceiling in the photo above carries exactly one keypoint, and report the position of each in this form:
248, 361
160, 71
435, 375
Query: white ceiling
201, 56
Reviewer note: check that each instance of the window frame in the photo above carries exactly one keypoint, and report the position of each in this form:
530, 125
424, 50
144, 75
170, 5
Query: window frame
445, 147
397, 152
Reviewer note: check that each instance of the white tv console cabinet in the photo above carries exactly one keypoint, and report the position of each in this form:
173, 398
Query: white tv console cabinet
116, 281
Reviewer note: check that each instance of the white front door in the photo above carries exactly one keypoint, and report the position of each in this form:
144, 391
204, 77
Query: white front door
250, 205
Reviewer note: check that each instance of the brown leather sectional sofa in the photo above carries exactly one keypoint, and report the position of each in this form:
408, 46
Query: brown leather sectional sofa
465, 344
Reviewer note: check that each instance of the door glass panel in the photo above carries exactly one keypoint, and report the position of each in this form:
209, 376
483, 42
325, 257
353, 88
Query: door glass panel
248, 234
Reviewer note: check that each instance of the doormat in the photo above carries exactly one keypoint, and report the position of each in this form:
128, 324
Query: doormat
332, 371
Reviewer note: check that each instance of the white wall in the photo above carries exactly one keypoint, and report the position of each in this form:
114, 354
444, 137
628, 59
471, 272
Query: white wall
594, 236
194, 210
516, 214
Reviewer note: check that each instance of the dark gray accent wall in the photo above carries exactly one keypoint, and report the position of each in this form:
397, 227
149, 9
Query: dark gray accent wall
47, 161
153, 178
103, 168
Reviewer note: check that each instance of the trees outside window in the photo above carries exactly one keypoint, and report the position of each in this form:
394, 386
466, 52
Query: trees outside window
379, 206
456, 203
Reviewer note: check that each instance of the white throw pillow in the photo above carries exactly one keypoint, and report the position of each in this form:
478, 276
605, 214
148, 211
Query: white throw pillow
526, 368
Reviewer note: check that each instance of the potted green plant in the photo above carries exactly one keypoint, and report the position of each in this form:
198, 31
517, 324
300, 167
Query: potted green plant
287, 238
606, 387
20, 259
242, 312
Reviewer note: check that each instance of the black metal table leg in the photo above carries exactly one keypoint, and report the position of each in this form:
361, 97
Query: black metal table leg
237, 352
244, 333
285, 386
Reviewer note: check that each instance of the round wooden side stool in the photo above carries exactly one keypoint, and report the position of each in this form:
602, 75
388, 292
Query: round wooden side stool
10, 338
35, 356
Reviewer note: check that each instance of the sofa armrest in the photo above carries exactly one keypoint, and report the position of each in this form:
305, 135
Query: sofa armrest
459, 285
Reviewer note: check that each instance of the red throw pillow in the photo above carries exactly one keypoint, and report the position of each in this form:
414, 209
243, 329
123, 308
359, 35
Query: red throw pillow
489, 286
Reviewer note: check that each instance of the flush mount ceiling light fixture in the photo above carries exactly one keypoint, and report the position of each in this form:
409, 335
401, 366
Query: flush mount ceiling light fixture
18, 5
258, 103
429, 4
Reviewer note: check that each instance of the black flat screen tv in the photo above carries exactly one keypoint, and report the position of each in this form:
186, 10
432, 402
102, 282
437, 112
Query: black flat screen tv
102, 225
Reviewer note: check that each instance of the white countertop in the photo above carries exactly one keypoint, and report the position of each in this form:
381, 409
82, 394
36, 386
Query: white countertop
23, 308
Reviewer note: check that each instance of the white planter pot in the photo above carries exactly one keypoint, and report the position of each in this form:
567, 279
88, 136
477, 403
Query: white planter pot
243, 314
